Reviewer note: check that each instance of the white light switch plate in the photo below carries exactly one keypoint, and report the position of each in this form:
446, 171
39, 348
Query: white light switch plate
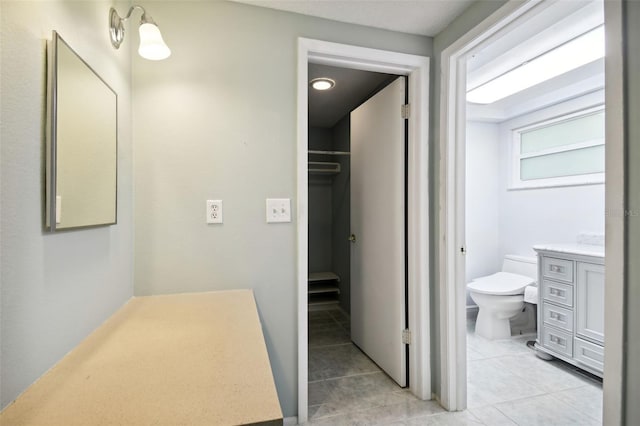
214, 211
278, 210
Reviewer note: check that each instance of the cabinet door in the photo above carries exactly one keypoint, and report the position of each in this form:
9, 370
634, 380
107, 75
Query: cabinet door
589, 309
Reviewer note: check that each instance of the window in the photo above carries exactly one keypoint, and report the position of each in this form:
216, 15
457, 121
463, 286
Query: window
568, 150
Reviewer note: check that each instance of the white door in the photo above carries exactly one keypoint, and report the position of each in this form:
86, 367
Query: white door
378, 225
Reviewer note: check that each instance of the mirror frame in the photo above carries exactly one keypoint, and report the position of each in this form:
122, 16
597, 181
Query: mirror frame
52, 137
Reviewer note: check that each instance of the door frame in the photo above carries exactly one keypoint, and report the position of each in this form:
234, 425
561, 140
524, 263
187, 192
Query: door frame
416, 68
451, 221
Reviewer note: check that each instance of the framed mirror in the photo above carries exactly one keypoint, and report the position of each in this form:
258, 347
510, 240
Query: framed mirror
82, 146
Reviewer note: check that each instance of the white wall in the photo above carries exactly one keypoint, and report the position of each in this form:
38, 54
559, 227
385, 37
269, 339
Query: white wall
55, 289
218, 120
500, 221
546, 215
482, 233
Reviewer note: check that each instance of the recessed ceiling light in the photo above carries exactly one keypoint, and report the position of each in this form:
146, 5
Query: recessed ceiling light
566, 57
322, 83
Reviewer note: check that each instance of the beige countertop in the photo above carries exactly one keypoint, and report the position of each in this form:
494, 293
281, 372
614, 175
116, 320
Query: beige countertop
187, 359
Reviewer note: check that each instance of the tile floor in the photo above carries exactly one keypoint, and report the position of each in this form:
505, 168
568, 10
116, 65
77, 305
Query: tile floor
507, 385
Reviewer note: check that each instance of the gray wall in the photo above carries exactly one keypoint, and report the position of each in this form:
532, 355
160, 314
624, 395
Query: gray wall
207, 126
218, 120
631, 394
320, 206
341, 193
55, 289
329, 209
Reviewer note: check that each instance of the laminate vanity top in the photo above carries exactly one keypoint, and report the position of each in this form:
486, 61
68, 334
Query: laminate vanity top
573, 248
186, 359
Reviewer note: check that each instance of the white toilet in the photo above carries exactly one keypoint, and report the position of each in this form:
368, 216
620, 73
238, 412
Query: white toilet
500, 296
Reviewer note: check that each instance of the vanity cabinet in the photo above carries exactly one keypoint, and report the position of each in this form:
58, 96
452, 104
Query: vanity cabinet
590, 301
571, 304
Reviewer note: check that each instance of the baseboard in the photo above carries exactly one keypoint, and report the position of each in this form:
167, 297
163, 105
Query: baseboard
290, 421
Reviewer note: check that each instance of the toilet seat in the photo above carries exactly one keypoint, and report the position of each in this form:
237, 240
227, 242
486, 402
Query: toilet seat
501, 284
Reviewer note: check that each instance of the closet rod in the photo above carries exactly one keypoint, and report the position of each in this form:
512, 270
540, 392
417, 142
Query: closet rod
329, 152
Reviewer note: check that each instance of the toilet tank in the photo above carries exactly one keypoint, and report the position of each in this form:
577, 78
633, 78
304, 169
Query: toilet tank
522, 265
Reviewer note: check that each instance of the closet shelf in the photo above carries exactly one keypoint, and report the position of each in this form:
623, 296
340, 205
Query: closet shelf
323, 288
324, 167
322, 299
321, 152
323, 276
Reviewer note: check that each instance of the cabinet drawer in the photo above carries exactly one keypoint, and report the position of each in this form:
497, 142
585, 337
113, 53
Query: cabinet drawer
557, 269
589, 354
557, 316
557, 293
558, 341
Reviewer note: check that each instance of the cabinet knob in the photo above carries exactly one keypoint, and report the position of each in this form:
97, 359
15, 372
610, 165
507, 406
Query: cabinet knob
352, 238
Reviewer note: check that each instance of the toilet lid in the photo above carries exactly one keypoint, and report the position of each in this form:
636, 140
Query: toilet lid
501, 284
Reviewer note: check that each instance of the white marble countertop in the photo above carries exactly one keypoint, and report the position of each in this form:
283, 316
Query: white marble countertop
572, 248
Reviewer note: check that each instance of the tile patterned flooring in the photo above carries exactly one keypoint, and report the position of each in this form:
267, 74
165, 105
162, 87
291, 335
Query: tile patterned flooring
507, 385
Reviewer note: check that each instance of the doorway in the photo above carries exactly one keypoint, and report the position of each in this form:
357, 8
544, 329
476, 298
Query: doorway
453, 237
357, 262
416, 69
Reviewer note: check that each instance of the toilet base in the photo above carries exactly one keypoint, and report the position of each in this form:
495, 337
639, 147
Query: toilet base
492, 328
494, 314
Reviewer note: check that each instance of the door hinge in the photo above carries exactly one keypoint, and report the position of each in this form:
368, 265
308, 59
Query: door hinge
463, 250
406, 336
405, 111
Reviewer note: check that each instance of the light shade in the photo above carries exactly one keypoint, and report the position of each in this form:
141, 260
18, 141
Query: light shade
571, 55
152, 46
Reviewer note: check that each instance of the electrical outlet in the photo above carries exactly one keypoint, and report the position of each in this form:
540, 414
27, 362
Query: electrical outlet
278, 210
214, 211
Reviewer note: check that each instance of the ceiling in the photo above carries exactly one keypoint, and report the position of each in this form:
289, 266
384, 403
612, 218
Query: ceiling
550, 25
352, 88
422, 17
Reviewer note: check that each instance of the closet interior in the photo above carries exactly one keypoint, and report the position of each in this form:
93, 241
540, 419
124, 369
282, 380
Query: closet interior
329, 217
329, 171
337, 367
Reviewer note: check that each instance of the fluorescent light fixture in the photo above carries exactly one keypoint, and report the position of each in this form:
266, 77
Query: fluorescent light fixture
152, 46
573, 54
322, 83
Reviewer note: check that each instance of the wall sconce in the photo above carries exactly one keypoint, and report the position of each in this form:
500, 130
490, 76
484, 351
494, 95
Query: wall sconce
152, 46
